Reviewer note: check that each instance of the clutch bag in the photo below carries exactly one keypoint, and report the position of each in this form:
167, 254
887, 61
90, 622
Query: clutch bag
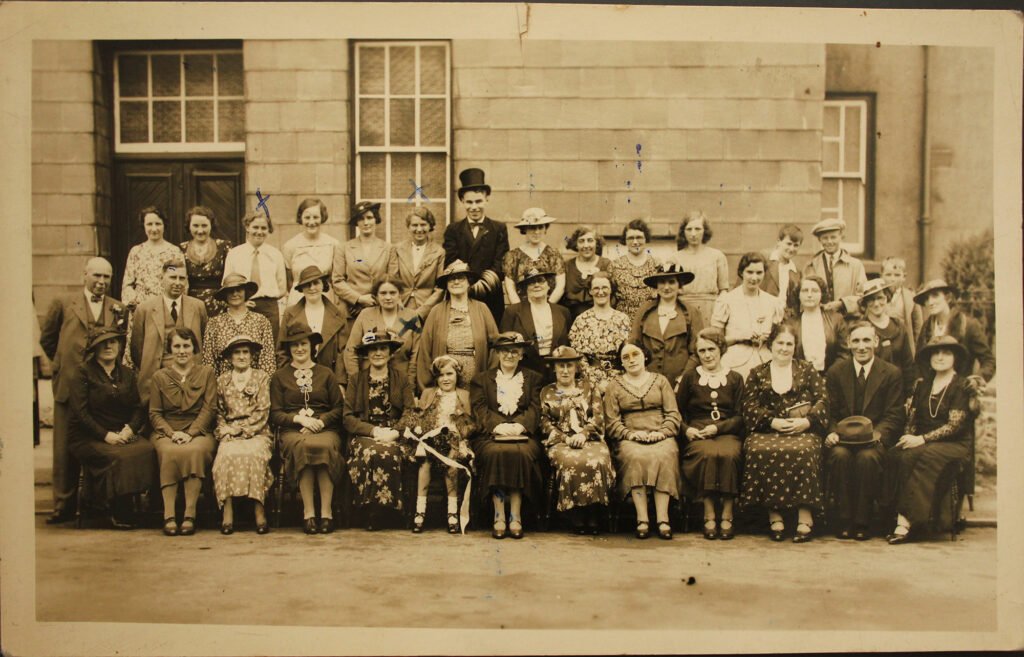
799, 410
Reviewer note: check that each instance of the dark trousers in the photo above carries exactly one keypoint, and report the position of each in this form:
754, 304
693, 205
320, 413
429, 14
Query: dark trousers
269, 309
855, 477
65, 466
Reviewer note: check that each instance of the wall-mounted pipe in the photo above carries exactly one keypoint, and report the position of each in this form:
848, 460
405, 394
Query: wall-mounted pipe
924, 219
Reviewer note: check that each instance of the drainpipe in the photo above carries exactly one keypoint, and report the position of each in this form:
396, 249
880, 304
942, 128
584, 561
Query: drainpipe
924, 220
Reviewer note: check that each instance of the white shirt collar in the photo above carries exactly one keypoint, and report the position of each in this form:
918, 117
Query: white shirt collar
88, 297
857, 367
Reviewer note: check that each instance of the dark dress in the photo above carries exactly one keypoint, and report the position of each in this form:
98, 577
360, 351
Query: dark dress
301, 450
577, 286
711, 465
914, 477
783, 471
189, 406
894, 348
204, 277
101, 403
374, 466
508, 465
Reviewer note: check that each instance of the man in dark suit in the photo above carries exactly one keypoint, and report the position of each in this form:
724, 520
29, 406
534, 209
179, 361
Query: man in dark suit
479, 241
62, 338
861, 386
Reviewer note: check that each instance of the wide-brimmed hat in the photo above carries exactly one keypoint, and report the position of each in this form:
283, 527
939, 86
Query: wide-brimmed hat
377, 337
456, 268
533, 274
671, 271
931, 286
564, 354
948, 342
534, 217
300, 331
826, 225
874, 286
239, 341
233, 282
361, 208
472, 180
100, 334
509, 339
856, 430
310, 274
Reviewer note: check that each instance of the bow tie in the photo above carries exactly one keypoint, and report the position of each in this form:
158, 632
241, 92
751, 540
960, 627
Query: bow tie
96, 298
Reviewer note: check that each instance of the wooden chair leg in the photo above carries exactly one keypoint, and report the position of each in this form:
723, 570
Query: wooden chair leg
954, 508
550, 502
79, 494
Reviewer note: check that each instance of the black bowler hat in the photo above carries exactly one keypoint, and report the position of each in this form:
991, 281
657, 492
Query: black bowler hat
472, 180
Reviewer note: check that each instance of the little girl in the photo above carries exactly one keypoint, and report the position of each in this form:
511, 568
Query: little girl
444, 411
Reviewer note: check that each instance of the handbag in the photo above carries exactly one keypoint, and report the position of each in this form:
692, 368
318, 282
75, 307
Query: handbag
798, 410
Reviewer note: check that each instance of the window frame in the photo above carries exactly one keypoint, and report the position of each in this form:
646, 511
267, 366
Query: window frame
388, 150
151, 147
866, 173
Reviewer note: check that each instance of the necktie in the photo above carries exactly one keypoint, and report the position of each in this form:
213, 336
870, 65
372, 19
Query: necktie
254, 275
828, 277
174, 311
858, 391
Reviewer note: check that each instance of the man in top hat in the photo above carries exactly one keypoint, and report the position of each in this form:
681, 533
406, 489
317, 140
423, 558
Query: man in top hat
866, 417
63, 337
479, 241
843, 274
155, 316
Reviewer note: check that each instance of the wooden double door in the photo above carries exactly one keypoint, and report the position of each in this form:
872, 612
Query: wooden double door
174, 186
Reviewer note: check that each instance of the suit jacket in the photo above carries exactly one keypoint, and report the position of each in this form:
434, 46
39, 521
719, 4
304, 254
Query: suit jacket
883, 397
848, 278
518, 317
333, 332
909, 313
419, 282
485, 252
673, 352
770, 284
63, 335
483, 394
149, 331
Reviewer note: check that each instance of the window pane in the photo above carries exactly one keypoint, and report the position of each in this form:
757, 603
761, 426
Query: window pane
371, 70
231, 120
166, 75
229, 75
852, 140
433, 126
852, 210
399, 211
433, 174
403, 122
134, 128
199, 120
166, 121
371, 176
830, 156
403, 70
199, 75
829, 195
371, 122
403, 175
440, 216
432, 70
131, 72
830, 127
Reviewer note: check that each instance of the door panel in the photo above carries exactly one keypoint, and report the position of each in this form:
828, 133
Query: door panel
218, 186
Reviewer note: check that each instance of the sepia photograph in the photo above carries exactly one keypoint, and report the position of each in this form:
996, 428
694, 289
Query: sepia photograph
509, 328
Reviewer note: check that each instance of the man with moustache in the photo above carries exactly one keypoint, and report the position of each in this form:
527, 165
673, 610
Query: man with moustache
866, 417
62, 337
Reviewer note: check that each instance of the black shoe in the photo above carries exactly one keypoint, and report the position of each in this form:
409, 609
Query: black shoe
777, 534
309, 525
844, 534
802, 537
500, 530
665, 531
724, 533
58, 517
227, 529
516, 533
453, 524
643, 529
263, 528
710, 533
326, 525
896, 539
170, 527
417, 522
861, 534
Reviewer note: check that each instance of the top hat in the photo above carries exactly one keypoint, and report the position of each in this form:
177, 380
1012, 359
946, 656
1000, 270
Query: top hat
361, 208
100, 334
534, 217
509, 339
670, 271
472, 180
856, 430
931, 286
310, 274
233, 282
826, 225
564, 354
948, 342
457, 267
375, 337
874, 286
239, 341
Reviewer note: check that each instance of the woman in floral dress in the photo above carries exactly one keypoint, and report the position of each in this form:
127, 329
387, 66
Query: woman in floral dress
237, 320
629, 271
204, 259
785, 410
374, 401
242, 466
598, 333
533, 254
572, 426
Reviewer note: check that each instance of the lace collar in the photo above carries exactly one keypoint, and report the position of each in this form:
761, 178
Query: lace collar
509, 391
712, 380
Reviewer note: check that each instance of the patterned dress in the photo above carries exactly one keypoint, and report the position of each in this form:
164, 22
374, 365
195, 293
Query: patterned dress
585, 475
242, 466
631, 293
374, 466
223, 328
652, 407
459, 341
599, 340
204, 276
143, 273
517, 261
783, 471
712, 465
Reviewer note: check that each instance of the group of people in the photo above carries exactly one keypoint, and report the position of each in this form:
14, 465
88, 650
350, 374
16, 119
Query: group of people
380, 365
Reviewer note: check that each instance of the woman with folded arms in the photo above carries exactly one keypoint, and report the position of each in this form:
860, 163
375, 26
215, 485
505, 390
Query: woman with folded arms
642, 417
785, 410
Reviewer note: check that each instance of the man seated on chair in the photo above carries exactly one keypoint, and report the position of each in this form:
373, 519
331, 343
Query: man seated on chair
866, 416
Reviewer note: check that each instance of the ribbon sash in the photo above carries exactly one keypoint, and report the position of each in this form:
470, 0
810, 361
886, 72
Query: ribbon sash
464, 507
